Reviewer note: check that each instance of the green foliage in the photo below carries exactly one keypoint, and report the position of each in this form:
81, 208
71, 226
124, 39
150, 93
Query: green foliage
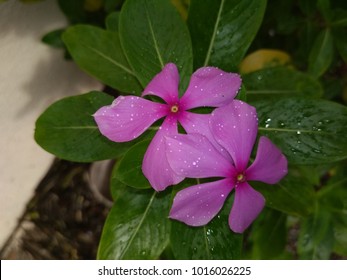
321, 54
269, 235
222, 32
129, 169
67, 129
141, 36
156, 37
137, 226
214, 241
99, 53
279, 82
314, 134
54, 39
293, 195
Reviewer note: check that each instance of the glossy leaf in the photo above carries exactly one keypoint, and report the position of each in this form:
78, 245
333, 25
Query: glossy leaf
293, 195
129, 170
67, 129
137, 226
214, 241
316, 236
279, 82
308, 131
222, 30
269, 235
152, 34
321, 54
99, 53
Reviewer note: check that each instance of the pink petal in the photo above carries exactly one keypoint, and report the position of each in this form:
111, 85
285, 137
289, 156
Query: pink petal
197, 205
199, 123
165, 84
270, 165
235, 128
155, 165
128, 117
247, 205
210, 86
194, 156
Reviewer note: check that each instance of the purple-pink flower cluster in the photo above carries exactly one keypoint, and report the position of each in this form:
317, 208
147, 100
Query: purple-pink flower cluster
216, 145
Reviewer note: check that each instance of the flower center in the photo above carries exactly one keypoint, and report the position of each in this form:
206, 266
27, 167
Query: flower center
241, 178
174, 109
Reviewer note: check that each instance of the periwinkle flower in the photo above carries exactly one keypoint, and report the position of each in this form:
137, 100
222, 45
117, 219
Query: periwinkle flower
129, 116
234, 127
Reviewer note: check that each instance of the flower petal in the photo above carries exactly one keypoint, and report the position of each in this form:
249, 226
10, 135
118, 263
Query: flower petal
128, 117
197, 205
165, 84
193, 156
199, 123
235, 128
247, 205
155, 165
270, 165
210, 86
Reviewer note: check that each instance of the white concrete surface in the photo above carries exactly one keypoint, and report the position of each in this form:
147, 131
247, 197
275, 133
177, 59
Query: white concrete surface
32, 76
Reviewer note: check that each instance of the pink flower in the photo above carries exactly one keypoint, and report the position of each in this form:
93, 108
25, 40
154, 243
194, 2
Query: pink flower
234, 127
129, 116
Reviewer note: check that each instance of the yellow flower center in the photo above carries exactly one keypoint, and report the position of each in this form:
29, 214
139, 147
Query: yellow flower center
241, 178
174, 109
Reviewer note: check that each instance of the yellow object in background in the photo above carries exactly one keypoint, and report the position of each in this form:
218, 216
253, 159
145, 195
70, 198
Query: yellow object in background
92, 5
263, 58
182, 7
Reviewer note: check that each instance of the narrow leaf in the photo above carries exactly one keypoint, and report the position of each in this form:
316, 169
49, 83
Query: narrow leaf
222, 30
321, 54
99, 53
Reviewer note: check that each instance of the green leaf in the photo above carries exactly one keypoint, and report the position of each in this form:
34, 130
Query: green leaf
324, 7
316, 236
340, 19
112, 21
293, 195
152, 34
214, 241
99, 53
340, 40
67, 129
308, 131
278, 82
321, 54
137, 226
333, 195
222, 30
53, 38
129, 170
269, 235
340, 235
